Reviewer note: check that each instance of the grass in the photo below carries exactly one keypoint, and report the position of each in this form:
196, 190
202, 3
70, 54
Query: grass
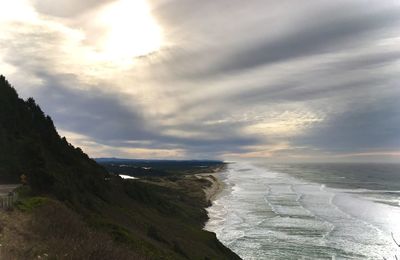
29, 204
156, 218
53, 231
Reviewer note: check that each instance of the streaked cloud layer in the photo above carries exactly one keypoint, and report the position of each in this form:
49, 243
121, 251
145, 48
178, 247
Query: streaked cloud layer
212, 79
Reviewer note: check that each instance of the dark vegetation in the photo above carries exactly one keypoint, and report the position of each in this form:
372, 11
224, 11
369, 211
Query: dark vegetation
72, 208
30, 145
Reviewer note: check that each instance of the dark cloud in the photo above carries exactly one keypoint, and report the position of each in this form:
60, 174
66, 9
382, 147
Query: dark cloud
92, 112
301, 91
367, 61
323, 35
365, 126
103, 117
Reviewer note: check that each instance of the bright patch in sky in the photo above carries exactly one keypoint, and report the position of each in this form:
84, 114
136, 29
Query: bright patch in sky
131, 31
16, 10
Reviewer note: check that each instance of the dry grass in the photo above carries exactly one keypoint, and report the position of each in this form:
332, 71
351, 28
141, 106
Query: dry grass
53, 231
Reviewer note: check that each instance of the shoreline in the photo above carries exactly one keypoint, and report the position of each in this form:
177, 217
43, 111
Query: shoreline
216, 188
211, 193
217, 185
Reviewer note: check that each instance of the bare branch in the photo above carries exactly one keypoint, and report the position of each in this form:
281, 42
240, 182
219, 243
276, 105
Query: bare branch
395, 241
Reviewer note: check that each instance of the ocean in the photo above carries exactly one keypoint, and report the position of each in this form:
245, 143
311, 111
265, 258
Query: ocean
309, 211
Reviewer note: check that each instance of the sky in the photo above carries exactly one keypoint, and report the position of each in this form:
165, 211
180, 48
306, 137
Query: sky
287, 80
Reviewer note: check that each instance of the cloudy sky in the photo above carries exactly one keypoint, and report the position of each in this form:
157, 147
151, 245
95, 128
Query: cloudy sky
282, 80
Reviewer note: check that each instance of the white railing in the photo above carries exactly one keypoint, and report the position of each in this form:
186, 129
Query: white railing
7, 201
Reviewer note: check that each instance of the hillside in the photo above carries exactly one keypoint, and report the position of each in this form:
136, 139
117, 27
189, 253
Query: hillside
72, 208
30, 145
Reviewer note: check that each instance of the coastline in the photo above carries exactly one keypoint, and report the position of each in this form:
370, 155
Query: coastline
216, 188
211, 193
217, 185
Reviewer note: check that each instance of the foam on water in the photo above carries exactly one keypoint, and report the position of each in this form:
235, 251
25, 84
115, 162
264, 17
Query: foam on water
264, 214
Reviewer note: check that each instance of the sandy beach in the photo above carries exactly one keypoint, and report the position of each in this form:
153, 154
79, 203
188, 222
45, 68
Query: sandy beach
217, 185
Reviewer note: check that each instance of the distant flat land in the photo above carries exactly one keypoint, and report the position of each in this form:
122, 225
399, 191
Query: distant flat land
158, 168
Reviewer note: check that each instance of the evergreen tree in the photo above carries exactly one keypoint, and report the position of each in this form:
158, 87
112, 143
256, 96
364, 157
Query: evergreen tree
30, 145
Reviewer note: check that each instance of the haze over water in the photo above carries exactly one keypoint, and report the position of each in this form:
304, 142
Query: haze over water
309, 211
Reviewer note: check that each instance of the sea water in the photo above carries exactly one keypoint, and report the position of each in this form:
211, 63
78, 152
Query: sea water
309, 211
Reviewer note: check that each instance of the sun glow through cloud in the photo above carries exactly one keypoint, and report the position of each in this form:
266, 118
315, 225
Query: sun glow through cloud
132, 31
17, 10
